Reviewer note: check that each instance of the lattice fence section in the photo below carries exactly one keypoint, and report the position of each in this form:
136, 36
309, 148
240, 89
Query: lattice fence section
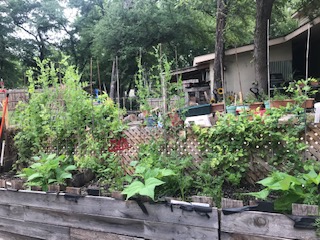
138, 136
258, 168
313, 140
185, 147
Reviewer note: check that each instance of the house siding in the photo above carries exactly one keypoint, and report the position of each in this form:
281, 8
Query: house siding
280, 62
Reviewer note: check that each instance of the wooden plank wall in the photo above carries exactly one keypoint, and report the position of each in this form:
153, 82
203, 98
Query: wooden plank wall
261, 226
252, 225
41, 215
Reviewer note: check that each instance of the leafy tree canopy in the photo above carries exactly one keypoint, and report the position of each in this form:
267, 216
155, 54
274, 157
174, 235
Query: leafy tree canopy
104, 29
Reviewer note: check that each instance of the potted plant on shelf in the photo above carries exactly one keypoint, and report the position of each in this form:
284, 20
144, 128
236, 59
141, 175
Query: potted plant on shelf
231, 106
315, 82
302, 91
217, 107
253, 102
280, 99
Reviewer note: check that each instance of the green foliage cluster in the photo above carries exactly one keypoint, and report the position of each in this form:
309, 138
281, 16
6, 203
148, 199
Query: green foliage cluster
187, 179
302, 89
109, 172
145, 180
46, 170
61, 117
155, 82
150, 82
153, 159
105, 29
232, 143
301, 188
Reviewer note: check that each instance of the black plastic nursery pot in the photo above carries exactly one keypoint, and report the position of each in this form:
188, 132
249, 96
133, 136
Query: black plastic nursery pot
198, 110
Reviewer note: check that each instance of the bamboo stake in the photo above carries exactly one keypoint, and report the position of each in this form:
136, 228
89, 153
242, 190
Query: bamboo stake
59, 74
224, 89
111, 94
268, 58
307, 75
2, 152
240, 84
118, 85
91, 89
307, 53
99, 79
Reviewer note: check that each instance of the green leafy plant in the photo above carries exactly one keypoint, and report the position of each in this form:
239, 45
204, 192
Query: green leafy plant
151, 82
251, 98
301, 90
278, 95
232, 143
317, 225
303, 188
46, 170
62, 118
145, 181
207, 183
110, 172
153, 155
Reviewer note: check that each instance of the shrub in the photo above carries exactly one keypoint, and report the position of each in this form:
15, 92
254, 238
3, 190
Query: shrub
47, 169
61, 117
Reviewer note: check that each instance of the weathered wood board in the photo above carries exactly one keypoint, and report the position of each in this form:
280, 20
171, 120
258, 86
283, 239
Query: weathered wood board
80, 234
39, 230
103, 206
48, 214
13, 236
267, 225
236, 236
39, 215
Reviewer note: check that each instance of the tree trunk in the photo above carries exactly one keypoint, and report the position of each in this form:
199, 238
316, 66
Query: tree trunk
264, 9
222, 10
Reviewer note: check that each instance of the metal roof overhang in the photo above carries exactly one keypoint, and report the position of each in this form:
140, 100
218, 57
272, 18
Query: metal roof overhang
205, 59
193, 72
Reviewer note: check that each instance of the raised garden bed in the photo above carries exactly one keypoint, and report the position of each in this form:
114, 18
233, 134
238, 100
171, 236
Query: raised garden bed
43, 215
39, 215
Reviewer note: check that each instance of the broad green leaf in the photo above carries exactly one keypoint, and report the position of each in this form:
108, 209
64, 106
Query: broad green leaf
317, 179
133, 163
36, 165
133, 189
70, 168
147, 191
284, 184
140, 170
267, 181
149, 187
34, 176
128, 178
312, 176
51, 156
167, 172
263, 194
284, 203
153, 182
52, 180
65, 175
151, 173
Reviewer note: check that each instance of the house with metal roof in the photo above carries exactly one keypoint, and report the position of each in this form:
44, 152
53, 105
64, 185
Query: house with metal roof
289, 59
